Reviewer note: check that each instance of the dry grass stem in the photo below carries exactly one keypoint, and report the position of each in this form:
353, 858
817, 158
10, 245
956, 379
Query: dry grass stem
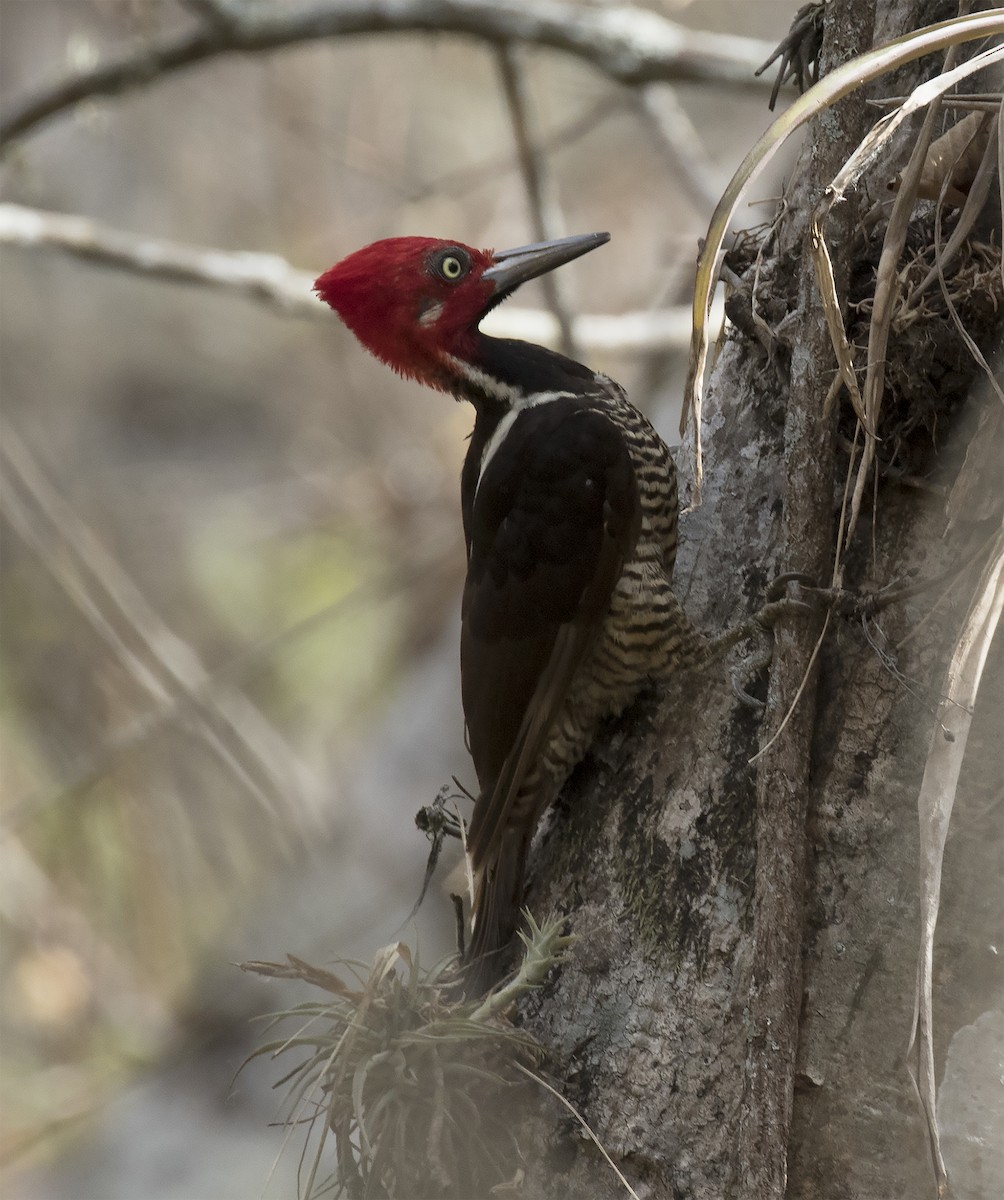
935, 803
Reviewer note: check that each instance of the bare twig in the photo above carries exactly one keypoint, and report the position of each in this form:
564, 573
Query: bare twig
630, 332
491, 166
272, 280
682, 143
973, 101
545, 215
629, 45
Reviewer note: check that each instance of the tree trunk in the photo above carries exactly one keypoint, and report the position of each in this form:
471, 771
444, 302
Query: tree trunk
734, 1015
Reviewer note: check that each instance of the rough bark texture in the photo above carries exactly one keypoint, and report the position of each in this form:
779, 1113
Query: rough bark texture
688, 1028
774, 978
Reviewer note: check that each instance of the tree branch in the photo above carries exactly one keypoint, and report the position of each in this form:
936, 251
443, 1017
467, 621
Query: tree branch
272, 280
267, 278
213, 12
629, 45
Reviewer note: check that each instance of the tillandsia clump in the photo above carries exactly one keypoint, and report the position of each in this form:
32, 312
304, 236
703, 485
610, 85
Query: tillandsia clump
414, 1081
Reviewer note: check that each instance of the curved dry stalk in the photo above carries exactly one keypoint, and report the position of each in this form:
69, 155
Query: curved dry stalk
1000, 170
823, 268
806, 676
935, 802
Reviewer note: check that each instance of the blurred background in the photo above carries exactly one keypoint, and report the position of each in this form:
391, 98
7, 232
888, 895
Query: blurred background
232, 553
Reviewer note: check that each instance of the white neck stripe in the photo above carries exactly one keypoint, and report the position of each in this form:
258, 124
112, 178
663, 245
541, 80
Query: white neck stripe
484, 382
503, 427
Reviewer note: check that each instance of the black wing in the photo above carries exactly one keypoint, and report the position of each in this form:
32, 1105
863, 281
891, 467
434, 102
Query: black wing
555, 516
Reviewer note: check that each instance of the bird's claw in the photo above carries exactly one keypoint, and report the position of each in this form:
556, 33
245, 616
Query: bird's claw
771, 613
778, 586
745, 698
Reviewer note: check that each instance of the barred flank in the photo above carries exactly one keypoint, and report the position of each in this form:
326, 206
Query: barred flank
646, 634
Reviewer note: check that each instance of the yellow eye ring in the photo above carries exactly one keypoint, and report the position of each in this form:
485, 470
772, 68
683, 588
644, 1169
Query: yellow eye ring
451, 268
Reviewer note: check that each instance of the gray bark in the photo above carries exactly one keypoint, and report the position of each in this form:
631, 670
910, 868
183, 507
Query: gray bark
734, 1016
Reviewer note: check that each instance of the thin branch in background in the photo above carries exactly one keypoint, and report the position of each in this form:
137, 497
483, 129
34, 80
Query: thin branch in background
267, 278
637, 332
629, 45
159, 662
218, 14
545, 213
681, 143
272, 280
463, 179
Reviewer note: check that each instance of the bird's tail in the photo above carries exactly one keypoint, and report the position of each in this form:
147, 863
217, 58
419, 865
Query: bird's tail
496, 914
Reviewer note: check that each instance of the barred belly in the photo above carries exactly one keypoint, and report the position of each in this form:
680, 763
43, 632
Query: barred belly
646, 636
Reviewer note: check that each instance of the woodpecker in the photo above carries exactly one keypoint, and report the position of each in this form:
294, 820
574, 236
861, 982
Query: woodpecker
569, 503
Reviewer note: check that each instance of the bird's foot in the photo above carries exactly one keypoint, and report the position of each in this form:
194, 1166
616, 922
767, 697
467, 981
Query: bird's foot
846, 602
760, 628
751, 671
779, 585
761, 623
765, 618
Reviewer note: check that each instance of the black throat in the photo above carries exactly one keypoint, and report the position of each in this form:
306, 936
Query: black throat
508, 374
506, 371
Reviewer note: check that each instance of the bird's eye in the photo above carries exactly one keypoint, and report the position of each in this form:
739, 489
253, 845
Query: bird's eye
452, 267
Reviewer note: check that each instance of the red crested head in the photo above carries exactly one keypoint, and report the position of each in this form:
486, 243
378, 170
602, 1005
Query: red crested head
413, 302
416, 303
